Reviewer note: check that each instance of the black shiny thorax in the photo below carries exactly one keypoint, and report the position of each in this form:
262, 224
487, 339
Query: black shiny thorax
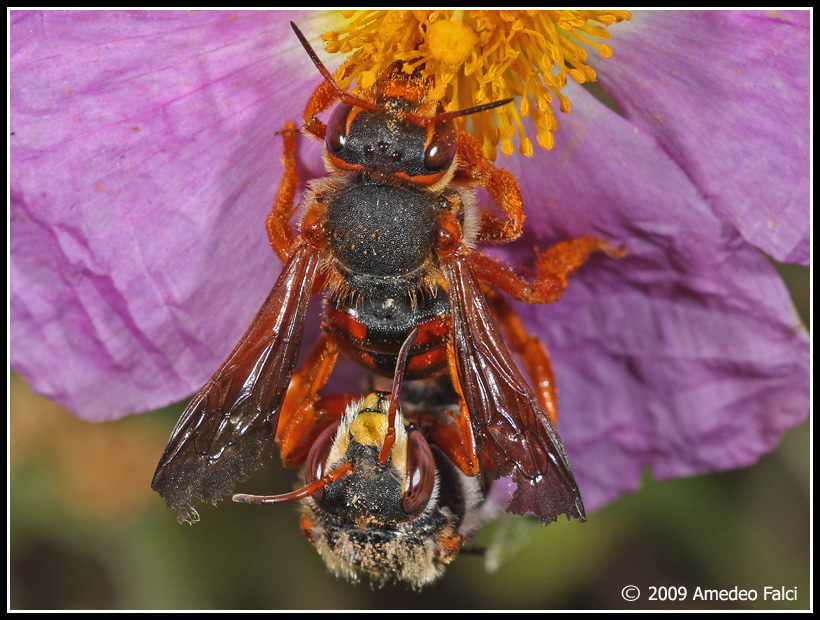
382, 234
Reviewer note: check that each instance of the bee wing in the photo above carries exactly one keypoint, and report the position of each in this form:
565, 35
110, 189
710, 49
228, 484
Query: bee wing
513, 427
227, 431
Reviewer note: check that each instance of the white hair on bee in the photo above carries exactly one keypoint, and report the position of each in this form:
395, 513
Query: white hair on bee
342, 438
472, 220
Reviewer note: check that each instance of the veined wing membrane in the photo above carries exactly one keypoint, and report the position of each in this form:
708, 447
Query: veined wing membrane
508, 419
227, 431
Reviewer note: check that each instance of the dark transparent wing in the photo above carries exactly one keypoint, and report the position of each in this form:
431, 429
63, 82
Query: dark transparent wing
227, 431
513, 427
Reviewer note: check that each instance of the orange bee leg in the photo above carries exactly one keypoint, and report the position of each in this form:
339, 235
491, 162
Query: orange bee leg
308, 523
552, 269
502, 186
326, 410
300, 417
280, 233
531, 351
449, 544
320, 100
459, 442
448, 438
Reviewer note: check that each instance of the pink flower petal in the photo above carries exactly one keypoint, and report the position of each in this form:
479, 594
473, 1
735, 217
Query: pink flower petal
144, 160
726, 93
686, 356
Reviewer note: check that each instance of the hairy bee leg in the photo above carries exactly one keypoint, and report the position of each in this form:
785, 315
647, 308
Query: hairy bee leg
553, 267
502, 186
300, 413
531, 351
280, 233
320, 100
449, 545
463, 449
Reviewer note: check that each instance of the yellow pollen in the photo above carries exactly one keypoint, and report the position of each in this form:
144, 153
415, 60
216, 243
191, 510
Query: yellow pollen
450, 42
473, 57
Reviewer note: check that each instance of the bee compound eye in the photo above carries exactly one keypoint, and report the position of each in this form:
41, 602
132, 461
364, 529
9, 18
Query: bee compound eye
421, 474
317, 458
442, 146
336, 135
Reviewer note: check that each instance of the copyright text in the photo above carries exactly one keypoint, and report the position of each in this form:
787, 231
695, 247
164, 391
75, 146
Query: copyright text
681, 593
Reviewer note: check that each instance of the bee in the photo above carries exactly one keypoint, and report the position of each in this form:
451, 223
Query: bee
390, 237
382, 500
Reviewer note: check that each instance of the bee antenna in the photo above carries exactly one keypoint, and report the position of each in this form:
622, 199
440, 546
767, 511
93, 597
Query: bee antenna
401, 364
423, 121
306, 491
342, 95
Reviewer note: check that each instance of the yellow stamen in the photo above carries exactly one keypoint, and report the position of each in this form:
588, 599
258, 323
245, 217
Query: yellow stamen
451, 43
474, 57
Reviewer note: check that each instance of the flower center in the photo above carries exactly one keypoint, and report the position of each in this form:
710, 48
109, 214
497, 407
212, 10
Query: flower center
450, 42
473, 57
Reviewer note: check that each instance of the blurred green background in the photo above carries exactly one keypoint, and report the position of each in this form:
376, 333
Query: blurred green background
87, 532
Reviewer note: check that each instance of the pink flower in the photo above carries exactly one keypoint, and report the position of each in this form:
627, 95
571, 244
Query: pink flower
144, 159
